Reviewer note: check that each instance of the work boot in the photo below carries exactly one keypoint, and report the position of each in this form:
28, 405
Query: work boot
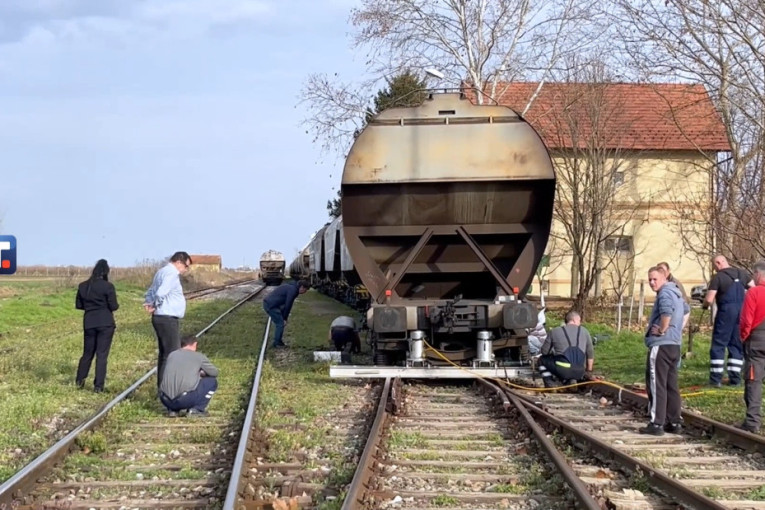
673, 428
652, 429
747, 428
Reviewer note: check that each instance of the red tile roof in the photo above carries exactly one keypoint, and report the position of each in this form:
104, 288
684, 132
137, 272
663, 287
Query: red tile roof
205, 259
650, 116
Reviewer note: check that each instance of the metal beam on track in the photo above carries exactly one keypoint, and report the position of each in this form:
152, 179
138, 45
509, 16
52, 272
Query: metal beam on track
375, 372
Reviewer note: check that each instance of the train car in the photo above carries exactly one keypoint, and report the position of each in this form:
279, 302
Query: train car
447, 211
272, 265
300, 267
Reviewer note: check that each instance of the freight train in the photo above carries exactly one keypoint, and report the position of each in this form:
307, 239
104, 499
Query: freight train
272, 265
447, 209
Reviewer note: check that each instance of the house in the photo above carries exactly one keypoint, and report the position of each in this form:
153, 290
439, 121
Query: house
210, 263
643, 153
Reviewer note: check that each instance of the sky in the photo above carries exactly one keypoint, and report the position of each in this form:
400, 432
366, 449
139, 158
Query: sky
133, 129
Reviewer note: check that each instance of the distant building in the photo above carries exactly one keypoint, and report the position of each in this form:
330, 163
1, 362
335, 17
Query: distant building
666, 139
206, 263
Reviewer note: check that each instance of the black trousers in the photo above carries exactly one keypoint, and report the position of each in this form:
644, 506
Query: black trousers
168, 330
661, 384
550, 368
346, 337
754, 372
98, 342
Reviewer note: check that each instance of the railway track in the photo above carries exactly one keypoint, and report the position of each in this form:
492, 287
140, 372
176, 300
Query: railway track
433, 447
143, 460
195, 294
453, 447
708, 465
303, 478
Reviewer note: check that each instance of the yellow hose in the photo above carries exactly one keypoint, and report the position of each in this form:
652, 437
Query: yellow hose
505, 382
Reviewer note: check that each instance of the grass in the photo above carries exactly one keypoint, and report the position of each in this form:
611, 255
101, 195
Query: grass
401, 439
298, 398
621, 359
510, 488
444, 500
40, 346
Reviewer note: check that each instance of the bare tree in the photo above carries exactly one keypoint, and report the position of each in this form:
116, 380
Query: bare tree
484, 43
337, 111
720, 44
596, 196
555, 254
618, 263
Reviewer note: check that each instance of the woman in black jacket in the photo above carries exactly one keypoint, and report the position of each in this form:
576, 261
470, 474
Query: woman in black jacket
99, 299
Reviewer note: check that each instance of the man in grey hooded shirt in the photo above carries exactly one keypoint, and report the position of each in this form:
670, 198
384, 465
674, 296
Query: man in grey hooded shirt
664, 339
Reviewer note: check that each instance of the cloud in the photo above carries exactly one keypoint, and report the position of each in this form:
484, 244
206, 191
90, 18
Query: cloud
212, 12
74, 20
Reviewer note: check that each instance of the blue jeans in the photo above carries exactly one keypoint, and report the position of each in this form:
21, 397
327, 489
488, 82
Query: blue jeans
276, 317
196, 399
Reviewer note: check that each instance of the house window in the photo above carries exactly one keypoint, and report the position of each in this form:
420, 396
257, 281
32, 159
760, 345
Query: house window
618, 179
619, 245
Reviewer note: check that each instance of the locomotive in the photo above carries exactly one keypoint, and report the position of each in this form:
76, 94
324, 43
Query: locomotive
447, 209
272, 265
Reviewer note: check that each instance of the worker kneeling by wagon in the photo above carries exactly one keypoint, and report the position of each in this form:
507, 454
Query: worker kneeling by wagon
189, 380
567, 353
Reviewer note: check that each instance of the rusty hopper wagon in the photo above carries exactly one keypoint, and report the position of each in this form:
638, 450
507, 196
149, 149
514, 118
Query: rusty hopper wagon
272, 264
447, 210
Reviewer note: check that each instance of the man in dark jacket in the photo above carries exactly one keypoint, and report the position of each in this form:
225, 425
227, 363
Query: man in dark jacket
278, 305
663, 339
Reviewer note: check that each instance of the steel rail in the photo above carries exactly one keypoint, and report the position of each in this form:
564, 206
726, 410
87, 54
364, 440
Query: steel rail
365, 469
581, 492
235, 482
193, 294
656, 478
14, 486
747, 441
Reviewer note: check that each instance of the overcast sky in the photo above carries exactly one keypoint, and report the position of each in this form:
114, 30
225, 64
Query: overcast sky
130, 129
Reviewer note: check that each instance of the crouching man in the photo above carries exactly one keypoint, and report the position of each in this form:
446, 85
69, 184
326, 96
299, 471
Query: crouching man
343, 334
567, 353
189, 380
